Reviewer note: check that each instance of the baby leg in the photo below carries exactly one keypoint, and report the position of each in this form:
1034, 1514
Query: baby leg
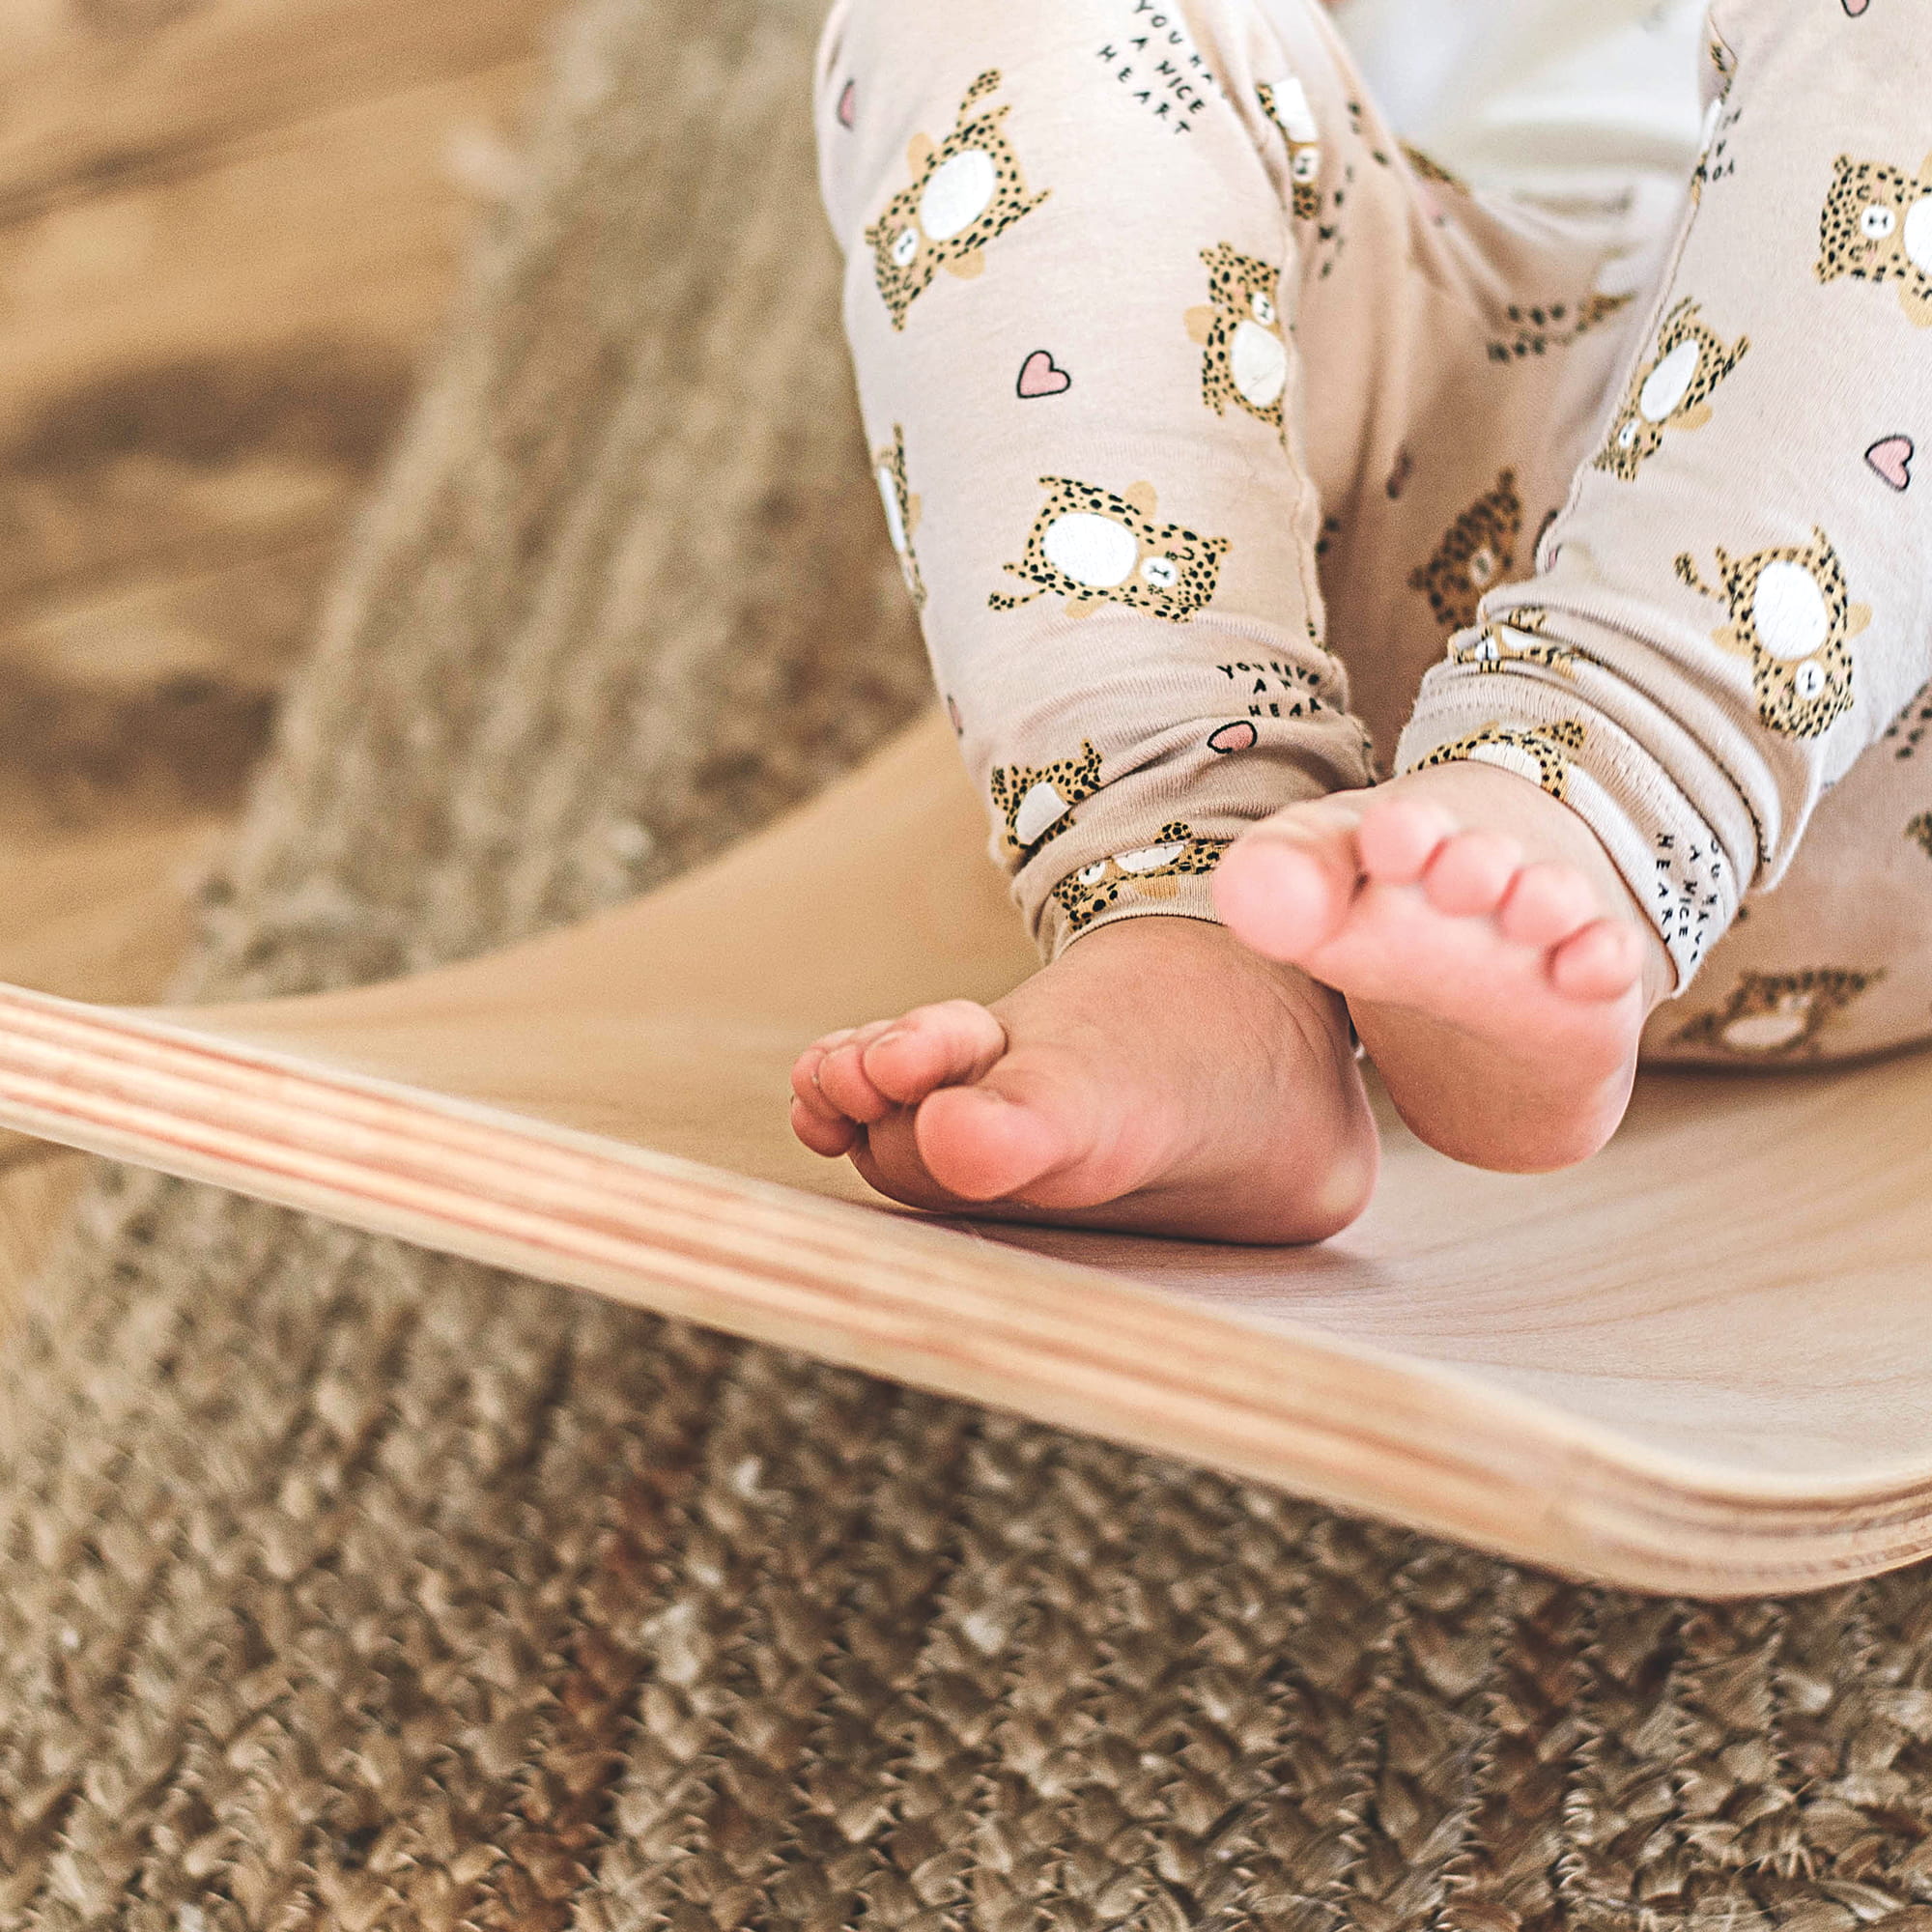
1076, 260
1729, 610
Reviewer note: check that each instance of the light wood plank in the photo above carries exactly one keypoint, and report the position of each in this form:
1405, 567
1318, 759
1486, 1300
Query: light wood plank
197, 382
125, 90
227, 230
1724, 1390
217, 362
104, 916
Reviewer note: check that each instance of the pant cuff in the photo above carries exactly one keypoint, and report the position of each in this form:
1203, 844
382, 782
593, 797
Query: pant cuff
1128, 829
1539, 723
1171, 877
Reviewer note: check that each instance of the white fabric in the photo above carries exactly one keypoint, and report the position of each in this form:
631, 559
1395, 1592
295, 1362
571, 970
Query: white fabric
1557, 98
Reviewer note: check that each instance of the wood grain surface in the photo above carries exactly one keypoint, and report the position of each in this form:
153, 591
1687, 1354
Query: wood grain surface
229, 230
1719, 1390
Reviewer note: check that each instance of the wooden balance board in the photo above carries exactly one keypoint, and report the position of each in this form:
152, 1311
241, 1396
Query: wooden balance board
1703, 1362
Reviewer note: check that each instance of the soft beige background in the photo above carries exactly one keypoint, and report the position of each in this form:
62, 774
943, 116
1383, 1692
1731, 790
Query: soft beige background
228, 229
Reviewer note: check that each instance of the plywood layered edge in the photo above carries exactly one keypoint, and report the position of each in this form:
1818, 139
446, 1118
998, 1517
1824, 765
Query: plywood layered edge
942, 1309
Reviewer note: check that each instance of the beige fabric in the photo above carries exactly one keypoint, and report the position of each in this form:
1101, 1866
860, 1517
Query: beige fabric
1736, 589
1205, 418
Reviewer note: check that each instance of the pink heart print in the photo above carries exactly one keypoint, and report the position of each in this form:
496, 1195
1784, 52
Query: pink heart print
848, 104
1855, 8
1891, 456
1041, 376
1239, 736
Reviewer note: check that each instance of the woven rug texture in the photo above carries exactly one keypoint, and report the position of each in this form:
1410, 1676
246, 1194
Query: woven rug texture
348, 1586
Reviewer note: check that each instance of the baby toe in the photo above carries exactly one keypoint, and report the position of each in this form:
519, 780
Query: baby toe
1545, 905
824, 1134
943, 1045
805, 1077
1469, 877
1399, 837
1284, 888
841, 1078
1602, 961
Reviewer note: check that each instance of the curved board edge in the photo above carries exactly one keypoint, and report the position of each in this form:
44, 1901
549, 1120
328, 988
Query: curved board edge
1063, 1344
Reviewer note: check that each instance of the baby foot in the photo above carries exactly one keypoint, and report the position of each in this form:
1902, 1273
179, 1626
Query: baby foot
1158, 1077
1495, 965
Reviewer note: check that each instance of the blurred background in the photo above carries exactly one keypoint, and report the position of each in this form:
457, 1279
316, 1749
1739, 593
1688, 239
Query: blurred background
229, 230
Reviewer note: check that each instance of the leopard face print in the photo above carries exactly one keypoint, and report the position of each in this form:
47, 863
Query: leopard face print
902, 511
1037, 801
1477, 555
1777, 1015
964, 192
1151, 873
1541, 754
1793, 616
1516, 640
1241, 333
1671, 390
1093, 548
1877, 227
1285, 102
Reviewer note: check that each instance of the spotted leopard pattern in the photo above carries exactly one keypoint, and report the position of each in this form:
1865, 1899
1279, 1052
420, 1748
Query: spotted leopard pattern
1243, 293
1638, 435
1066, 782
1538, 328
905, 257
902, 511
1919, 832
1285, 102
1798, 695
1723, 62
1149, 872
1477, 555
1517, 639
1548, 746
1167, 570
1772, 1016
1433, 170
1877, 227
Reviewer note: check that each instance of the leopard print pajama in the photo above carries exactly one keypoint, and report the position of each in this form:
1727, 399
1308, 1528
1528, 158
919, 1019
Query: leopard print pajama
1236, 454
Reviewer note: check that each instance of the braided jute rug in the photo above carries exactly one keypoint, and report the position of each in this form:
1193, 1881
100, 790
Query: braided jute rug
345, 1586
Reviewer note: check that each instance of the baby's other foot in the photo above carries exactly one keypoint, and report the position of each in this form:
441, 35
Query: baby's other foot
1158, 1077
1496, 967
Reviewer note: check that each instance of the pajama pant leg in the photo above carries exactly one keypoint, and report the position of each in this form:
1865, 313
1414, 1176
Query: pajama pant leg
1150, 314
1729, 624
1188, 389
